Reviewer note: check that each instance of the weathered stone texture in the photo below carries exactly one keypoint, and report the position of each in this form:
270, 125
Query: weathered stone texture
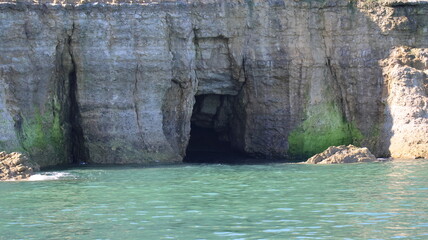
16, 166
116, 83
342, 154
406, 98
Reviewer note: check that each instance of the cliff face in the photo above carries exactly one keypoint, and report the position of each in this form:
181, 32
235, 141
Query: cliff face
117, 83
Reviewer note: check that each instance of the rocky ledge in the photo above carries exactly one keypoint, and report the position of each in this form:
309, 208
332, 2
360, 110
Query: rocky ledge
342, 154
16, 166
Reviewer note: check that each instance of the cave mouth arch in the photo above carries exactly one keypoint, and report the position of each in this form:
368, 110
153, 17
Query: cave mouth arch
211, 136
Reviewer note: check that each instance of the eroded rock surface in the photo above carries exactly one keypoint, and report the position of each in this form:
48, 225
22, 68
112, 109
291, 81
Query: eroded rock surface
342, 154
406, 97
16, 166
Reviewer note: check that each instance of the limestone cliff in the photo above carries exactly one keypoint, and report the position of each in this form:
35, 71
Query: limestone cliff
116, 83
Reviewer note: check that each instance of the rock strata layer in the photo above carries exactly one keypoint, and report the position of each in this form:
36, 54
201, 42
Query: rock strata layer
118, 83
16, 166
342, 154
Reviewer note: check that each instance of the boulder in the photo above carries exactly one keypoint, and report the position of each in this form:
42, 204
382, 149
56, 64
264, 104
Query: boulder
342, 154
16, 166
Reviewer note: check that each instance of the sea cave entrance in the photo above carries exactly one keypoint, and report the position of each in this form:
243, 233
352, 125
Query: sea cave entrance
211, 135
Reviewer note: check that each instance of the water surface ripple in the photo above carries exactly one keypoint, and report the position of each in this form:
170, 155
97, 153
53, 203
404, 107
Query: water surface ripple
278, 201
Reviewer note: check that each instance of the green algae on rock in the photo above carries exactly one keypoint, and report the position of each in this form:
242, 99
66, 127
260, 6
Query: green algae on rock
42, 137
324, 127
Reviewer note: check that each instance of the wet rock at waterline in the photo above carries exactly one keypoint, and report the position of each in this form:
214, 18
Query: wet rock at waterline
16, 166
343, 154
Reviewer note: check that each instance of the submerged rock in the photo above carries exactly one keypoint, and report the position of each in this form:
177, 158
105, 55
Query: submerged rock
16, 166
342, 154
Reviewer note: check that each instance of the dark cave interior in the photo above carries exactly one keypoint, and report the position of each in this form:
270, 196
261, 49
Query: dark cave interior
210, 135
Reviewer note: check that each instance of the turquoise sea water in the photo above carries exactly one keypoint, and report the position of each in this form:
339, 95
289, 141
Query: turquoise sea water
278, 201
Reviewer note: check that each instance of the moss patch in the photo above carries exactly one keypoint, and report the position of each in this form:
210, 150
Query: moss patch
323, 127
44, 139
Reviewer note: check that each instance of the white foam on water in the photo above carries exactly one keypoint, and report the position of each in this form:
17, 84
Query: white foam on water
49, 176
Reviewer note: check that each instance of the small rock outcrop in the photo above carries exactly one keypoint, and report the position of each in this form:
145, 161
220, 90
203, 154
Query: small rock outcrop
342, 154
16, 166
